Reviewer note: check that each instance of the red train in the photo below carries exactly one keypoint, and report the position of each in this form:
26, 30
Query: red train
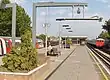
99, 43
5, 46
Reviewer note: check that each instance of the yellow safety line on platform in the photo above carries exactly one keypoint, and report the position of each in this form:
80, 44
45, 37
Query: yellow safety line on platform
92, 54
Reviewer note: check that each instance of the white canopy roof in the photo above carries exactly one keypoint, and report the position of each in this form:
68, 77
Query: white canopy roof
76, 36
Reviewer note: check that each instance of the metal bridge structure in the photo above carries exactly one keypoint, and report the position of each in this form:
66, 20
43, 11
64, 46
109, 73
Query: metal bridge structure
51, 4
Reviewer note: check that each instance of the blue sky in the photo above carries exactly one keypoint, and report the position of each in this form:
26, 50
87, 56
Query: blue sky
80, 28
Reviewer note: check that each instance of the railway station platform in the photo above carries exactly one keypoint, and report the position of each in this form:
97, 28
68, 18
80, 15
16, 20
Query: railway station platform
73, 64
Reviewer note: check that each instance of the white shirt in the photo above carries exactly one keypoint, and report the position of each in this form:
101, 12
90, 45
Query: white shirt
50, 47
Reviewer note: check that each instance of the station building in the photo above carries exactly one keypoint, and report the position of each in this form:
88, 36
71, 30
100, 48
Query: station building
77, 39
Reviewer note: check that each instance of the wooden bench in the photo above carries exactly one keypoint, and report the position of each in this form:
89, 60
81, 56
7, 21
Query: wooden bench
54, 52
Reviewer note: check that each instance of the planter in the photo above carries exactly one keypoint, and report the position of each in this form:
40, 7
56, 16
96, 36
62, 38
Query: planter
34, 74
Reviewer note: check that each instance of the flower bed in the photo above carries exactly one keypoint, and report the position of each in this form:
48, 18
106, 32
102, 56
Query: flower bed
34, 74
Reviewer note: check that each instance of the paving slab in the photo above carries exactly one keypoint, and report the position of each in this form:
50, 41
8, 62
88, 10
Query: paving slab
56, 61
79, 66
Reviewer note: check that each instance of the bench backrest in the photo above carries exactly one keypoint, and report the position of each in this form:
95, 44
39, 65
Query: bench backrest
54, 49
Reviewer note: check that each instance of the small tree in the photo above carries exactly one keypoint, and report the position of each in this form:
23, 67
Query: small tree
106, 26
42, 36
22, 58
22, 20
68, 41
104, 35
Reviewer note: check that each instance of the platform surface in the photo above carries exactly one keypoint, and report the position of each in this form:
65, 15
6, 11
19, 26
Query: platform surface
79, 66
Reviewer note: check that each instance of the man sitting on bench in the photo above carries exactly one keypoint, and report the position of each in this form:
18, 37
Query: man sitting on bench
53, 51
50, 50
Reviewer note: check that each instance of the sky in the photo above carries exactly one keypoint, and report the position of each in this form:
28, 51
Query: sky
80, 28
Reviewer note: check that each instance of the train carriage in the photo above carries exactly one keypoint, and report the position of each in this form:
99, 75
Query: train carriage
6, 45
100, 42
2, 47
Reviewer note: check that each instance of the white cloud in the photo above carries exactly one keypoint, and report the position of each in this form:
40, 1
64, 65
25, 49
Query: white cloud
18, 1
46, 0
103, 1
95, 14
85, 28
79, 27
108, 6
86, 8
59, 12
79, 0
43, 1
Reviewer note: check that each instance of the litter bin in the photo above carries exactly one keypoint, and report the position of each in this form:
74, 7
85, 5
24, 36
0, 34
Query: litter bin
67, 46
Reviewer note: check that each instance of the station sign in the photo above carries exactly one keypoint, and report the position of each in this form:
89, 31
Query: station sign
65, 25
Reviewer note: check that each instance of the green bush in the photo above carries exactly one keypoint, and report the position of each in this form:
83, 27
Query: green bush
22, 58
68, 41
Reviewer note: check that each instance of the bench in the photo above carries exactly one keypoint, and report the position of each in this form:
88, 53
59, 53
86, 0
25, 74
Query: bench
54, 52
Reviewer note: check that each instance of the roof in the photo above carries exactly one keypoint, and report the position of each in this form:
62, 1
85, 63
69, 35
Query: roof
100, 39
9, 37
76, 36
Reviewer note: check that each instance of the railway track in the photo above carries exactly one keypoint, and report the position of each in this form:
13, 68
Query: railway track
103, 57
106, 50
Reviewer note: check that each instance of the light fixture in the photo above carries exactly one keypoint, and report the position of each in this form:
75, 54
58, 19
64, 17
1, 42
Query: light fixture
66, 25
78, 11
68, 28
70, 31
95, 16
100, 19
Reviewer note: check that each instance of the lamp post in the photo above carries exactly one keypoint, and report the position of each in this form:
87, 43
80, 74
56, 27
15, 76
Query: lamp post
65, 42
65, 26
70, 31
46, 25
65, 37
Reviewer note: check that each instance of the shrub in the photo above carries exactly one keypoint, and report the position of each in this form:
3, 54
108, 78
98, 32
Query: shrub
68, 41
22, 58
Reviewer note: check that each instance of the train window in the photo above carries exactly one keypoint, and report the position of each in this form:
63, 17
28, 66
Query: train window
17, 43
98, 41
7, 45
0, 47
